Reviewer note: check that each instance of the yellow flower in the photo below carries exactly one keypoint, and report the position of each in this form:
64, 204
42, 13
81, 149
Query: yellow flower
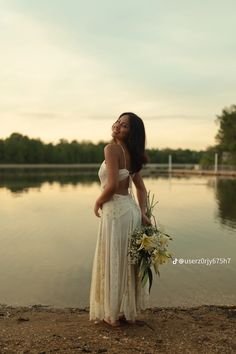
164, 240
147, 243
160, 257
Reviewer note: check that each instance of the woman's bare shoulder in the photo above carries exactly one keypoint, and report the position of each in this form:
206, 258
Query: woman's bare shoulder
111, 148
111, 154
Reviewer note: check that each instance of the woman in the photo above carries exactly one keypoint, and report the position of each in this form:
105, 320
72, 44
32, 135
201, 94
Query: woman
116, 293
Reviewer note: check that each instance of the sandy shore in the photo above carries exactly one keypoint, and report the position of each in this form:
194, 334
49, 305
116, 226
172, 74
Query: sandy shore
42, 329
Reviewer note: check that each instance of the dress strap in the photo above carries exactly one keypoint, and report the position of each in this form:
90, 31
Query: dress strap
130, 176
123, 153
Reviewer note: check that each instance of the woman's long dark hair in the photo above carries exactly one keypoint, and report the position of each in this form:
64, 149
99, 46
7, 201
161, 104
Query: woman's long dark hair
136, 141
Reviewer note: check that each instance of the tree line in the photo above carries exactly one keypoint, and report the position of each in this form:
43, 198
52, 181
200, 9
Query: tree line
18, 148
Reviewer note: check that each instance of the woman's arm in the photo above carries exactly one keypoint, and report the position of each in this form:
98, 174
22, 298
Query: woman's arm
111, 153
142, 197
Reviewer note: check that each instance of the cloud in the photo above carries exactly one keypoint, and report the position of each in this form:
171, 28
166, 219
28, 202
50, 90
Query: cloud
73, 64
42, 115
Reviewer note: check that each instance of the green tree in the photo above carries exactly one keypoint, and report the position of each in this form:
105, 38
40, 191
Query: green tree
178, 155
49, 153
207, 159
226, 136
21, 149
16, 148
35, 151
2, 152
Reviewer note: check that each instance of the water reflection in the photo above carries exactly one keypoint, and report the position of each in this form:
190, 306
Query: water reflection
226, 199
48, 237
20, 181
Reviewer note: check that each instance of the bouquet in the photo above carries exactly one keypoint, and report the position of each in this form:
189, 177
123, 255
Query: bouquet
148, 246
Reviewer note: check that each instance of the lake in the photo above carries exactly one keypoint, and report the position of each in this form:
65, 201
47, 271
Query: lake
48, 235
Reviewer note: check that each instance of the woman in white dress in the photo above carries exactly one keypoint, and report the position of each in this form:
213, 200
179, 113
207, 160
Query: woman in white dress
116, 293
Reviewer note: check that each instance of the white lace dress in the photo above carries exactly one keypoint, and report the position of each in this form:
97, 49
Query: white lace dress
115, 286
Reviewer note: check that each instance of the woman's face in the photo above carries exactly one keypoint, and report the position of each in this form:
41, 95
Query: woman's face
121, 128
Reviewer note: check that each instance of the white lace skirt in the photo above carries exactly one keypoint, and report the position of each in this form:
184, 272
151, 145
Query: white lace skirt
115, 286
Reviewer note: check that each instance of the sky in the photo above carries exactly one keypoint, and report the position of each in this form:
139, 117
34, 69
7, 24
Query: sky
69, 68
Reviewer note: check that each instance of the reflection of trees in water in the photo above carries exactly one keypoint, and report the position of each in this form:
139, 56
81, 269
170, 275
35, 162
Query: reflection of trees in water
19, 181
226, 198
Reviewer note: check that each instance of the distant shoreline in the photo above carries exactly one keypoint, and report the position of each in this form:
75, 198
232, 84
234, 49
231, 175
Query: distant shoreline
149, 169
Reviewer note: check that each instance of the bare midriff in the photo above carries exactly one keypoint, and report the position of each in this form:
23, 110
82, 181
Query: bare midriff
123, 187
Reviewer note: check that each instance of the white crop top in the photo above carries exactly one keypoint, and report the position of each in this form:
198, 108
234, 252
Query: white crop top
123, 173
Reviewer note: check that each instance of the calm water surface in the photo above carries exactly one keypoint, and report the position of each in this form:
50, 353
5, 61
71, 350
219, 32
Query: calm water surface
48, 235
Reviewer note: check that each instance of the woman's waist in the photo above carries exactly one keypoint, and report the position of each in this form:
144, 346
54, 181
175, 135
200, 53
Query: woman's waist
121, 195
120, 189
121, 200
120, 204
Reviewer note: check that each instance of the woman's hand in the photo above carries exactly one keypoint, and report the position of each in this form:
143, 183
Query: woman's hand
97, 206
145, 220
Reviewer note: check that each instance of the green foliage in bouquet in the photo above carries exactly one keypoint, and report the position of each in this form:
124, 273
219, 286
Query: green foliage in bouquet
148, 246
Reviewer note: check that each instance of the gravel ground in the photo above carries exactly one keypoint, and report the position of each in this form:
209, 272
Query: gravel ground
41, 329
